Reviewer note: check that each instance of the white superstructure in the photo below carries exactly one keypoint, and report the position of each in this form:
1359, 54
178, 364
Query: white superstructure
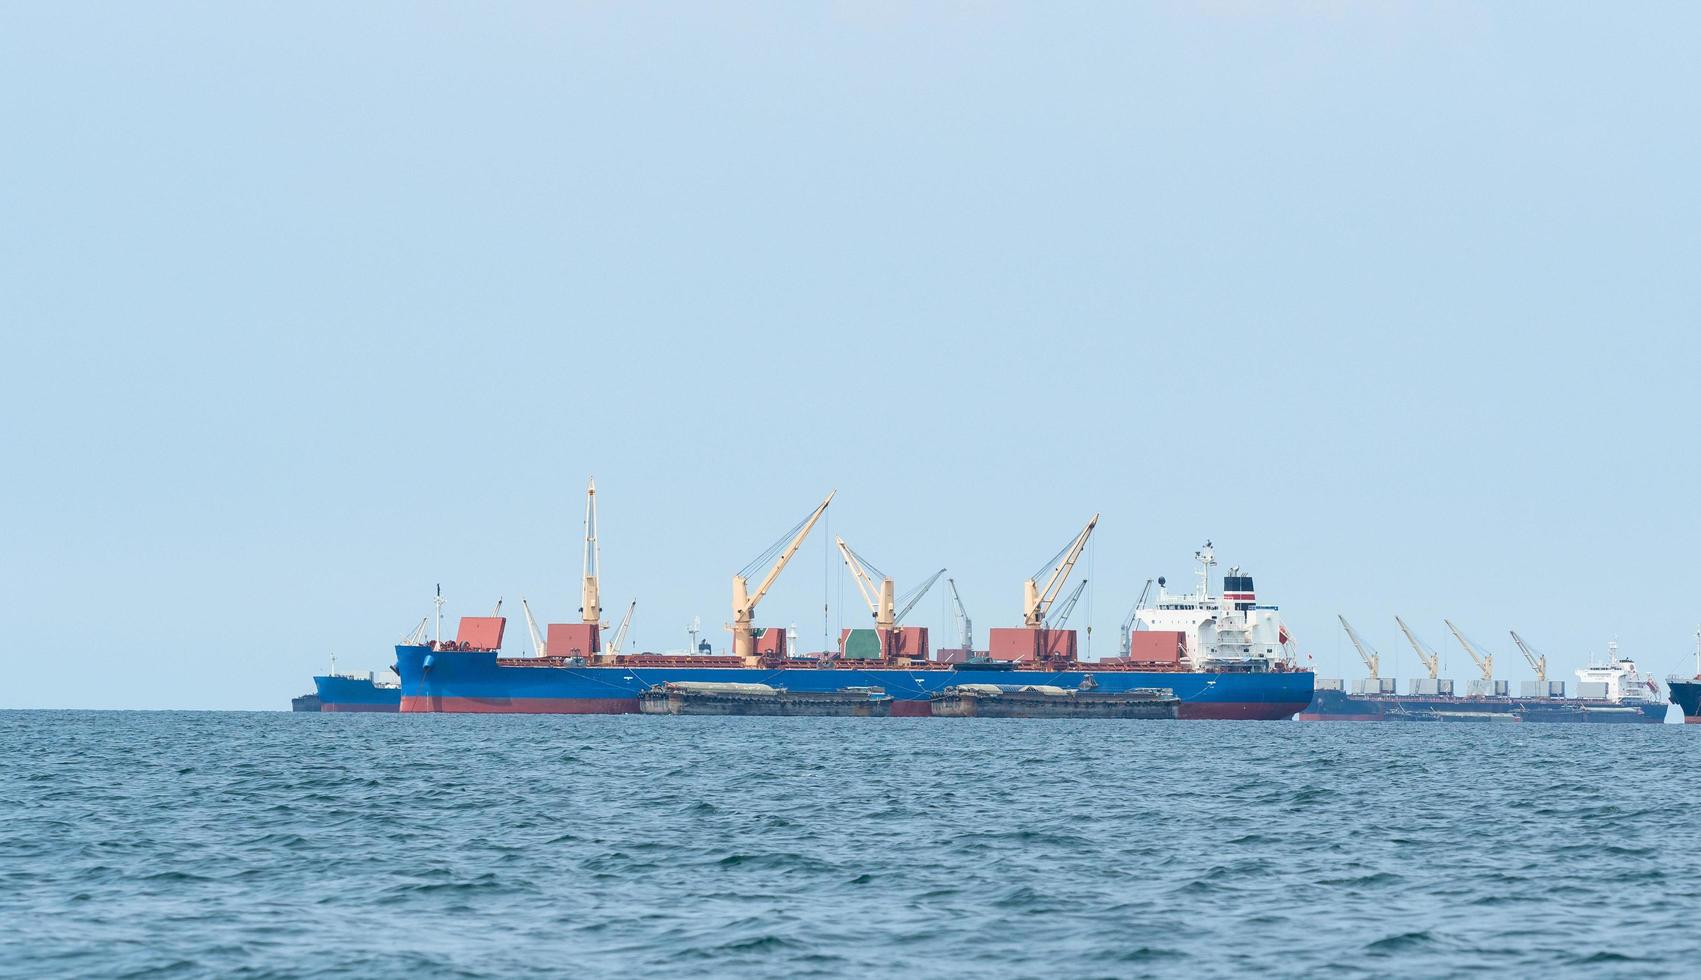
1621, 680
1230, 629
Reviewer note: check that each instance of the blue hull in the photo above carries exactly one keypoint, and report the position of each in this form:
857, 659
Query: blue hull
1687, 696
455, 681
355, 694
1340, 706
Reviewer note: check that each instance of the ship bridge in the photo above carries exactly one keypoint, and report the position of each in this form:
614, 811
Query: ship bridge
1228, 626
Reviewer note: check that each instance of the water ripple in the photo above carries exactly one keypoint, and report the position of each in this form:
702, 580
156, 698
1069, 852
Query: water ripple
198, 844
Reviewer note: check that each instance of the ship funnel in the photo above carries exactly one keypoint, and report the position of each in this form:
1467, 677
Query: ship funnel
1238, 591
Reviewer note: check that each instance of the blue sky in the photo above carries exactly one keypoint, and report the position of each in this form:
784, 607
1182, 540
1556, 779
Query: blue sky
309, 307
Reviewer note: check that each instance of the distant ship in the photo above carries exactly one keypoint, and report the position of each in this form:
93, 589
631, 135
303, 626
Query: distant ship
350, 692
1223, 655
1686, 691
1614, 692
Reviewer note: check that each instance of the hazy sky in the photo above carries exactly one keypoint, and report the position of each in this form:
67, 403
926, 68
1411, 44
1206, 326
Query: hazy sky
308, 307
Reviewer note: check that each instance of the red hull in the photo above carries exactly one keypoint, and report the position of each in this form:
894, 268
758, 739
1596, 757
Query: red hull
521, 706
345, 706
1238, 711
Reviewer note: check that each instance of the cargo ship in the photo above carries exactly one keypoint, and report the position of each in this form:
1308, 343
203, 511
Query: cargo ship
1613, 692
1223, 655
1686, 691
357, 692
335, 691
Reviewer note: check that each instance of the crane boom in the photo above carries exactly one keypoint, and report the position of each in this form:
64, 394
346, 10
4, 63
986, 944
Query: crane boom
879, 598
966, 628
744, 601
620, 632
1366, 652
1485, 661
920, 590
1036, 601
416, 636
1537, 662
1131, 622
1431, 660
531, 624
1067, 606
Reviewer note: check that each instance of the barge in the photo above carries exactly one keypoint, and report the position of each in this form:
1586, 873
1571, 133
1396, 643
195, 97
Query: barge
1044, 701
719, 698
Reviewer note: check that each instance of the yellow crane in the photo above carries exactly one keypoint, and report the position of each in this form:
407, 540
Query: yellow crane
590, 602
1538, 662
1366, 652
1035, 600
1484, 659
1431, 660
744, 600
881, 599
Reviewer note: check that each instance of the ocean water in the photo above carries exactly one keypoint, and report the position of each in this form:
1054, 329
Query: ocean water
249, 844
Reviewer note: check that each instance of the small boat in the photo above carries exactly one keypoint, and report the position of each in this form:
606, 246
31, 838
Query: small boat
716, 698
1045, 701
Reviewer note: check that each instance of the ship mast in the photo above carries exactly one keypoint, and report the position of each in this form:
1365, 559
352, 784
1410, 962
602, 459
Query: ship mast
438, 644
1206, 557
590, 610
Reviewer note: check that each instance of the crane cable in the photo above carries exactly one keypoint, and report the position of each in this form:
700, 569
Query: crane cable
1092, 573
767, 557
1052, 564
